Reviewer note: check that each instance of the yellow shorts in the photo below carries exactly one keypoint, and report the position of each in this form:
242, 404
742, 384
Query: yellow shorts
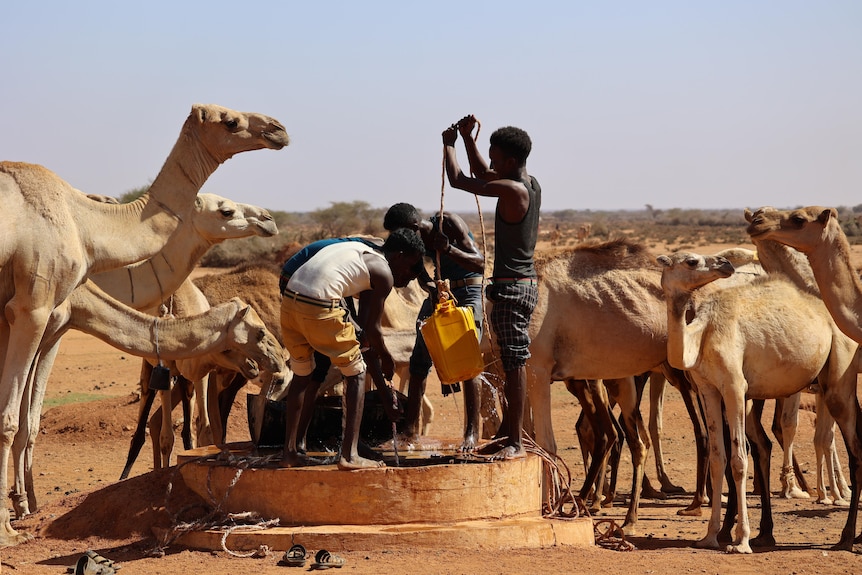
306, 327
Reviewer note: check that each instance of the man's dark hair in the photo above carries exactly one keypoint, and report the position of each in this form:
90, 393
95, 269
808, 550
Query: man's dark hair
514, 142
403, 240
400, 215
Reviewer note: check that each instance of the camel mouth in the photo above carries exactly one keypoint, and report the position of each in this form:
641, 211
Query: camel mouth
250, 369
753, 232
266, 229
277, 139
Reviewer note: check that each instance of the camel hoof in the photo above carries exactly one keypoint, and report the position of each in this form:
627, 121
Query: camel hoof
823, 501
795, 493
653, 494
672, 489
741, 548
841, 503
690, 511
763, 541
707, 543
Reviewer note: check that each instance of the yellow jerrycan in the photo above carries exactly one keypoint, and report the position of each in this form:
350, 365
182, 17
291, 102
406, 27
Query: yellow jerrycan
453, 342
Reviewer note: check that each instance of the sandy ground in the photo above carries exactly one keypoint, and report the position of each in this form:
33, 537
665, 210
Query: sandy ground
82, 445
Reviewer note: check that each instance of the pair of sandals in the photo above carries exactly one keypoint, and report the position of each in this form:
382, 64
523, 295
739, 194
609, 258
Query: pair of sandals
91, 563
296, 556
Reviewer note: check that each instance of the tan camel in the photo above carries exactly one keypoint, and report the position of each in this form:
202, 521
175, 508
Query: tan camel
780, 258
816, 232
765, 339
213, 219
55, 237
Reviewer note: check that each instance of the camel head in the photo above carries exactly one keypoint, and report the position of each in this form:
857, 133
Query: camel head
216, 219
248, 334
684, 272
236, 361
802, 228
225, 132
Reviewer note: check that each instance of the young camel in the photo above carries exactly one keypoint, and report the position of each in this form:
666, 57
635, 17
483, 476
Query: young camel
56, 237
213, 219
765, 339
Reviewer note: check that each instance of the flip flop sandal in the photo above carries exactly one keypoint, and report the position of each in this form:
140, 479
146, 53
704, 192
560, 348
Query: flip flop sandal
324, 560
295, 556
91, 563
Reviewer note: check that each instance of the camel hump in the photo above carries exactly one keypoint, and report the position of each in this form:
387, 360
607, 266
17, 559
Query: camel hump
615, 254
38, 185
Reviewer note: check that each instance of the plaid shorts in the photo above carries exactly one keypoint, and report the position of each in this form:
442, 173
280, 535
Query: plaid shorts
511, 309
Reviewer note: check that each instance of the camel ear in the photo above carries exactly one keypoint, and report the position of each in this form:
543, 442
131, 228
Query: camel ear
748, 215
826, 214
663, 260
199, 112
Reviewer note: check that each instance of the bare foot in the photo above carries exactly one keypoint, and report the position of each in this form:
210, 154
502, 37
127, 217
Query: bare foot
509, 452
359, 463
469, 444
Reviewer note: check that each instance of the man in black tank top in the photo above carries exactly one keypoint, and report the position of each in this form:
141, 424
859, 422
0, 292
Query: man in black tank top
513, 292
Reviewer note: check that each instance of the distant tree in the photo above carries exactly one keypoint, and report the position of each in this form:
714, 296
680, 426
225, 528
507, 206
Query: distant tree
134, 194
344, 218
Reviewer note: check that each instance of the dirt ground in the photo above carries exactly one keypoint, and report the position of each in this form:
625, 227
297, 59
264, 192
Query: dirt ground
87, 425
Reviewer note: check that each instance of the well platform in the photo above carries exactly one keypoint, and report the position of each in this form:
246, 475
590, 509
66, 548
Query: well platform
431, 500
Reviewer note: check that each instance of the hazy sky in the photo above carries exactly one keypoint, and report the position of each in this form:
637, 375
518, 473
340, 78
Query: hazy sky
689, 104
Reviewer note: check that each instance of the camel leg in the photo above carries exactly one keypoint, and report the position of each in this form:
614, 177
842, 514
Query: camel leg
828, 462
21, 330
187, 391
657, 382
632, 424
204, 432
139, 437
611, 467
840, 397
25, 439
761, 454
695, 414
784, 425
593, 400
225, 401
166, 435
735, 409
711, 400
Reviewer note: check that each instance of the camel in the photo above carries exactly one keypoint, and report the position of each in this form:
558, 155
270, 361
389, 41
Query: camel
232, 333
765, 339
213, 220
584, 232
613, 289
55, 237
780, 258
816, 232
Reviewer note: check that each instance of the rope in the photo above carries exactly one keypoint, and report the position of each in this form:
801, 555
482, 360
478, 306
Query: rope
215, 518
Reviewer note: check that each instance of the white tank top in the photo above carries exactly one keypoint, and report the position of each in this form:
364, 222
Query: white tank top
336, 271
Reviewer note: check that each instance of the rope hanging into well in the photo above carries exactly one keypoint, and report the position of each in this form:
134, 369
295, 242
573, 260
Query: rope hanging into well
440, 282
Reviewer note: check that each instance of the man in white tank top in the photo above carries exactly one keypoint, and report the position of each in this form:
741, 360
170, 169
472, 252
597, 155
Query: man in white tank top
312, 318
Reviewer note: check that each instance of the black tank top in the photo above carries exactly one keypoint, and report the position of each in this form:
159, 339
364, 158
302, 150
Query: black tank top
514, 244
